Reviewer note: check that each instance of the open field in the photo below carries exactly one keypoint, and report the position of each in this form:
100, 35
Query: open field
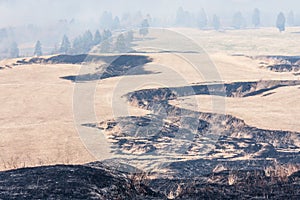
252, 42
36, 117
37, 124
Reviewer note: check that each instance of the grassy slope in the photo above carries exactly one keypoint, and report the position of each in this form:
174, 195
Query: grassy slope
36, 122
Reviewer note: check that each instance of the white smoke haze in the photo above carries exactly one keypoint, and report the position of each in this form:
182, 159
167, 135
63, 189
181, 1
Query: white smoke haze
25, 22
19, 12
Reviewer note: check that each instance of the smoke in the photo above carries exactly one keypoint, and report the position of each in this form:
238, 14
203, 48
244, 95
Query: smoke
19, 12
25, 22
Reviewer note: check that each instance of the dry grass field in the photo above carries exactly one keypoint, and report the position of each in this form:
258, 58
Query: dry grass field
36, 114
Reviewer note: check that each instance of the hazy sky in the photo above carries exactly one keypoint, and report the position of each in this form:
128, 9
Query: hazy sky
18, 12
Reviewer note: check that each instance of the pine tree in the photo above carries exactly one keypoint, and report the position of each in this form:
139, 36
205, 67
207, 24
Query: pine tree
256, 17
65, 45
180, 16
97, 38
3, 33
38, 49
129, 36
216, 22
120, 44
116, 23
280, 22
144, 28
87, 41
202, 19
106, 34
77, 46
14, 50
238, 20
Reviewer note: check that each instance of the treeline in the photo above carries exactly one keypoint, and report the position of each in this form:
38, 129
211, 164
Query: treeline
72, 40
84, 43
67, 37
102, 42
238, 20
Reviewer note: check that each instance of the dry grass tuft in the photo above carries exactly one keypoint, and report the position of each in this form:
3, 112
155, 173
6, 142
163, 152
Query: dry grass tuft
281, 172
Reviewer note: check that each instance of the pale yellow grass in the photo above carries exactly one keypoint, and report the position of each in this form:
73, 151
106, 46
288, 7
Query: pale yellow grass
264, 41
36, 120
278, 111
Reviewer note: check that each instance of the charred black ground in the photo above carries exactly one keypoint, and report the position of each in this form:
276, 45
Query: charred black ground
250, 171
97, 181
189, 133
278, 63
